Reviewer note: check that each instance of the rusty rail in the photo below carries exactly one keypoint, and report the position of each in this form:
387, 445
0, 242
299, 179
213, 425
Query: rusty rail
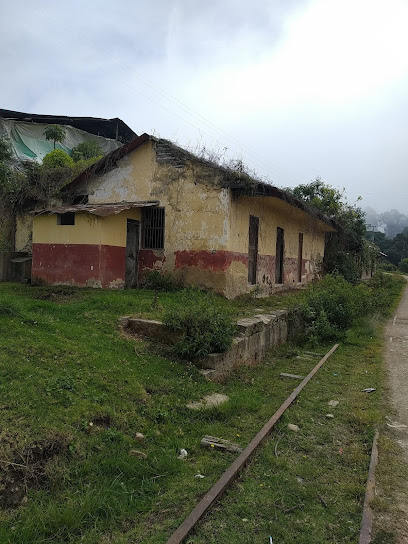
232, 472
367, 521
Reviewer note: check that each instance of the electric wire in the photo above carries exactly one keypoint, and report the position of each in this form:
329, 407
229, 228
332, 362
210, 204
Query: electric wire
167, 96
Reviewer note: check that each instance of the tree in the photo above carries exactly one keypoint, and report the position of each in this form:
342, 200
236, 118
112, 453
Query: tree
403, 266
86, 150
5, 152
6, 173
347, 250
394, 222
55, 133
57, 159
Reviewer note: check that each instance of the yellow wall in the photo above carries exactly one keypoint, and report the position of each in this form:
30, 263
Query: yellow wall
113, 227
196, 213
88, 229
272, 213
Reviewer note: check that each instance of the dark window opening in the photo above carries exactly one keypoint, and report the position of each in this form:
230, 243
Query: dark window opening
253, 249
280, 244
66, 218
153, 228
300, 256
80, 199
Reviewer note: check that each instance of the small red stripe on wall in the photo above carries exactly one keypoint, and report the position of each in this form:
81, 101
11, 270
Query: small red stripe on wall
151, 259
78, 264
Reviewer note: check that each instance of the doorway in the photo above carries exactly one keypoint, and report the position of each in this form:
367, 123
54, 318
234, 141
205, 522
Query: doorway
132, 253
279, 255
300, 257
253, 249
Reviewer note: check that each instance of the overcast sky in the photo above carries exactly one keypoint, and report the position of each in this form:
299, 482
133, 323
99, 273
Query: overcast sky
296, 88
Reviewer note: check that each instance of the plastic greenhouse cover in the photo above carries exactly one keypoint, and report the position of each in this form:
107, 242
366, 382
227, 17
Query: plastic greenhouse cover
27, 140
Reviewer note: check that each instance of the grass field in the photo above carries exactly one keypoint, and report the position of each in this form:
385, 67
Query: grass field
74, 391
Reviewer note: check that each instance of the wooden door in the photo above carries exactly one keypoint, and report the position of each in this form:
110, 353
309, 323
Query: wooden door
132, 253
279, 255
300, 256
253, 249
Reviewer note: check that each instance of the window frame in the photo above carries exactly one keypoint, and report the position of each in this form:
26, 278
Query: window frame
154, 233
62, 219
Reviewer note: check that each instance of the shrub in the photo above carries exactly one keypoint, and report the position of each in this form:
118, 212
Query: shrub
388, 267
5, 150
383, 288
86, 150
57, 159
345, 264
157, 281
403, 266
330, 307
205, 327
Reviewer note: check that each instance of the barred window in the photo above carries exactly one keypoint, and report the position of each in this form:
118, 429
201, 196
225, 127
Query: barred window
153, 228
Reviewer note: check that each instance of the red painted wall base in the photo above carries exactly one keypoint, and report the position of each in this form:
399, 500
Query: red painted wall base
104, 266
79, 264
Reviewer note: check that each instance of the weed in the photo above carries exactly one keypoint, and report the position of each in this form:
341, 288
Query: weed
330, 307
206, 328
158, 281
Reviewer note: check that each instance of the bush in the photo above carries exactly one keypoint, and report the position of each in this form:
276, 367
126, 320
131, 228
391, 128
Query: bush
388, 267
86, 150
330, 307
5, 150
205, 327
345, 264
403, 266
57, 159
157, 281
384, 288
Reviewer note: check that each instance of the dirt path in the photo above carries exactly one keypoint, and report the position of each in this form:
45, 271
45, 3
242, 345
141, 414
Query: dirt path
391, 523
396, 358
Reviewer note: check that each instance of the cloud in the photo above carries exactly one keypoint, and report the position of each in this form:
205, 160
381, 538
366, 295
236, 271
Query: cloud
307, 87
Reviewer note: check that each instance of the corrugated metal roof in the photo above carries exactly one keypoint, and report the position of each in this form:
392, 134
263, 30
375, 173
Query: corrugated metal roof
102, 210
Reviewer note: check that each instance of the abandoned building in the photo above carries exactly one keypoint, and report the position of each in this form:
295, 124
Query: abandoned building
151, 205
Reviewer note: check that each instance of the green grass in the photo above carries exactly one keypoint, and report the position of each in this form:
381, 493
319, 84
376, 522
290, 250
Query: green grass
64, 364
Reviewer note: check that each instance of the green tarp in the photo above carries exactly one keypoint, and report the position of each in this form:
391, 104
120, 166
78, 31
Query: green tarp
27, 140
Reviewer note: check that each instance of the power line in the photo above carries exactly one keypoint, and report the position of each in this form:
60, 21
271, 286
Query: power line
178, 103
